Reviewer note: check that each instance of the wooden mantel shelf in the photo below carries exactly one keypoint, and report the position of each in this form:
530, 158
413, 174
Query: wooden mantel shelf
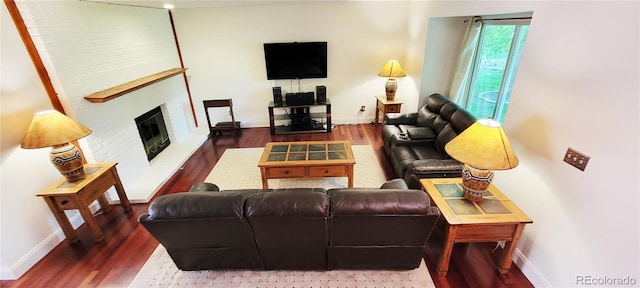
115, 92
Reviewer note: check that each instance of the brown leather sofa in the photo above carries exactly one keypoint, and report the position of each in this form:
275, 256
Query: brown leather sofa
293, 229
414, 142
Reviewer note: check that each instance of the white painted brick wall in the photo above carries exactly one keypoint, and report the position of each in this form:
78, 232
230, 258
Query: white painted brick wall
88, 47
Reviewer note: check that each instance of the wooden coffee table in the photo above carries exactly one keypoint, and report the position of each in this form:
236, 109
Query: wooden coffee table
306, 159
494, 218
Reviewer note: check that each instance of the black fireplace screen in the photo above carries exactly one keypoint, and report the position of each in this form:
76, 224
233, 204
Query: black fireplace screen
153, 132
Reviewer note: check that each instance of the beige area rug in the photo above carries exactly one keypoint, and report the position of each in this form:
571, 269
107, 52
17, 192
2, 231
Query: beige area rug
237, 169
160, 271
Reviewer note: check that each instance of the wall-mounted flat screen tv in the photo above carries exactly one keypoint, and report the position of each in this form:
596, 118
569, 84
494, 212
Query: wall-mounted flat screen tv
296, 60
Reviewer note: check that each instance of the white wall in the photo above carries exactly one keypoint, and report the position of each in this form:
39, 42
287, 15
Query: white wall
444, 36
223, 49
25, 220
86, 47
577, 86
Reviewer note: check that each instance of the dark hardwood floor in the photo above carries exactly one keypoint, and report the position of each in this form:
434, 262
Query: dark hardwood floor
115, 261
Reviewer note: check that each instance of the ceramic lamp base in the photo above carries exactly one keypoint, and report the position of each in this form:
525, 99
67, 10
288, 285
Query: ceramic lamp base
68, 160
390, 87
475, 182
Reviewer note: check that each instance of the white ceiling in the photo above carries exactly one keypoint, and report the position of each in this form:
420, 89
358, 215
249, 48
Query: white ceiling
197, 3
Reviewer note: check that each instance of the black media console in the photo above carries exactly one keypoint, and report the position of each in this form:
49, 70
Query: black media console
300, 117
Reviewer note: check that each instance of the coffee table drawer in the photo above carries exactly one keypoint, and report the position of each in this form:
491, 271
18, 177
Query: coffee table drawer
286, 172
328, 171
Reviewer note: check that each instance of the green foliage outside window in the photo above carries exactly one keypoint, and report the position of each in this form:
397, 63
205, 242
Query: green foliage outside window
495, 68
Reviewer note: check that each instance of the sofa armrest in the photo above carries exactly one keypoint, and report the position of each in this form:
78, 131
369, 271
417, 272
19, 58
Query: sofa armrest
400, 118
397, 183
204, 186
431, 168
435, 165
199, 204
434, 211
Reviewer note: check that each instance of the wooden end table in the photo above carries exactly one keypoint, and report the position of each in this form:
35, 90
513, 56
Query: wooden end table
306, 159
494, 218
63, 195
386, 106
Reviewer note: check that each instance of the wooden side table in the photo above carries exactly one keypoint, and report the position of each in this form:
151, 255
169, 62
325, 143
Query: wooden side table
386, 106
63, 195
494, 218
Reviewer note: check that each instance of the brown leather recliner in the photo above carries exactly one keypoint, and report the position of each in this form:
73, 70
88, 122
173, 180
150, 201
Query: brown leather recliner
290, 227
379, 229
204, 230
303, 228
414, 142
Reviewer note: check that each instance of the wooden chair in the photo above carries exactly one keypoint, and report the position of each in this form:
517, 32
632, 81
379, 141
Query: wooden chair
219, 127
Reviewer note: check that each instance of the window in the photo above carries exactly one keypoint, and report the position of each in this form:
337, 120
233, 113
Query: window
494, 67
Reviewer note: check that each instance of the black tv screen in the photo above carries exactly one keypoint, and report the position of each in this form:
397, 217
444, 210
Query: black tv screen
296, 60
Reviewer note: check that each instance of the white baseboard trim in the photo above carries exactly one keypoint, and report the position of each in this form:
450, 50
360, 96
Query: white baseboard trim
535, 277
37, 253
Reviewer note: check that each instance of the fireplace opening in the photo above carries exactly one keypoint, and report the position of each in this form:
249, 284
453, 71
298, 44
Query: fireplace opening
153, 132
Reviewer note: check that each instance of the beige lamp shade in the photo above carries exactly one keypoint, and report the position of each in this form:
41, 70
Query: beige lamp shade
51, 128
483, 145
392, 70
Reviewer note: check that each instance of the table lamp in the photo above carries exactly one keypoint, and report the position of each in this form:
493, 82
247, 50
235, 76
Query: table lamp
481, 148
391, 70
52, 128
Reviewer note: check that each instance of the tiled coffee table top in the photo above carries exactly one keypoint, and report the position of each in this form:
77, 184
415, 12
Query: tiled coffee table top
307, 151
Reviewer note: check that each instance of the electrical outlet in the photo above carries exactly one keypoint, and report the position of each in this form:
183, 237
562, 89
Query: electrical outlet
362, 108
576, 159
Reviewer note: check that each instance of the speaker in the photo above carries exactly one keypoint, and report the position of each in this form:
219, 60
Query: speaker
300, 98
321, 94
277, 95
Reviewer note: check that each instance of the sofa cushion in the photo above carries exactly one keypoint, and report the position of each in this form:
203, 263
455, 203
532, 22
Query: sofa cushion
435, 102
447, 110
290, 226
443, 119
364, 201
446, 135
419, 133
402, 155
461, 120
425, 117
425, 152
297, 202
